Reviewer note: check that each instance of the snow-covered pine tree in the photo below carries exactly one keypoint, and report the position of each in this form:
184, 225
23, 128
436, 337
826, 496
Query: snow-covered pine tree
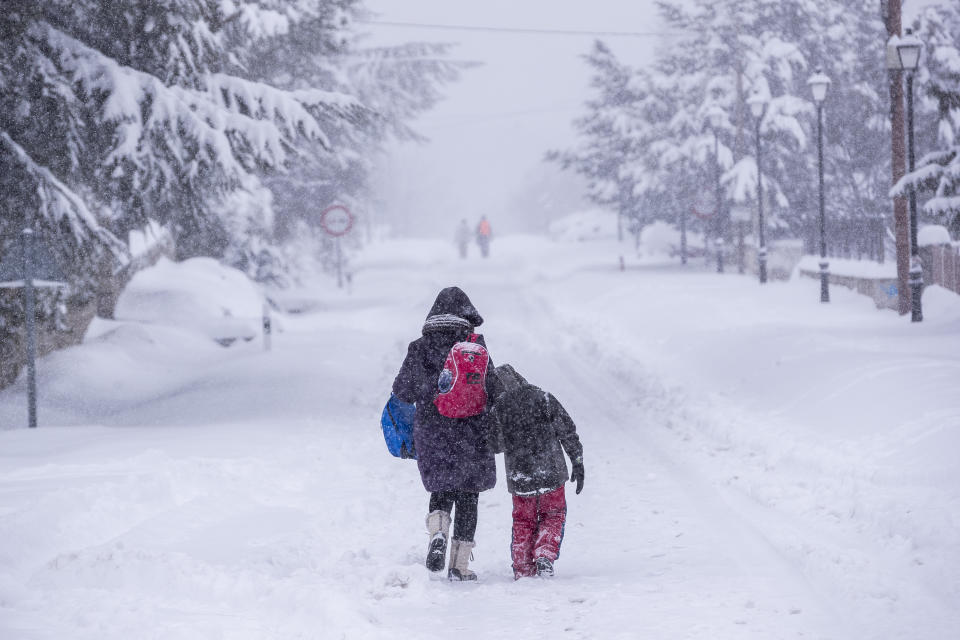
294, 46
395, 84
675, 170
845, 40
728, 49
43, 145
938, 95
134, 109
604, 153
774, 46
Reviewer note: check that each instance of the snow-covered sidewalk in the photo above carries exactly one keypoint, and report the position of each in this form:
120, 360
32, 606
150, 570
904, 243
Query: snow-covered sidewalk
758, 465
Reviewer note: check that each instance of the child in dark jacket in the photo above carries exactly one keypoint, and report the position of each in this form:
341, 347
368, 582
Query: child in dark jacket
533, 431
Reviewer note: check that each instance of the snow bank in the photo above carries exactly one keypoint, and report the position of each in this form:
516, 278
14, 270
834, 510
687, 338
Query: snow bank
932, 234
660, 238
198, 294
120, 364
759, 464
940, 305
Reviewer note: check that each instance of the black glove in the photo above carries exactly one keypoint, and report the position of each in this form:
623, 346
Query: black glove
577, 474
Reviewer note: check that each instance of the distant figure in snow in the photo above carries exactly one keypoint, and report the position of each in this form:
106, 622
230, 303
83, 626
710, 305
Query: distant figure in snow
483, 236
533, 431
454, 455
463, 237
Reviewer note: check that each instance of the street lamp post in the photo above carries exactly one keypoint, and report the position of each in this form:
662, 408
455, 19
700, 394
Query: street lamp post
758, 107
908, 53
716, 117
819, 83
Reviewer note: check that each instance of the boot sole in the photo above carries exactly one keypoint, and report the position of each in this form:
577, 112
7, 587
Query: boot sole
455, 576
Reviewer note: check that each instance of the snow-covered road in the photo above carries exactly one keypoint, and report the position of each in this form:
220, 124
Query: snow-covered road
752, 469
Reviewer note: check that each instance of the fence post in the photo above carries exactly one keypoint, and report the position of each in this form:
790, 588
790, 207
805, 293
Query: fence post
940, 260
954, 270
267, 327
31, 321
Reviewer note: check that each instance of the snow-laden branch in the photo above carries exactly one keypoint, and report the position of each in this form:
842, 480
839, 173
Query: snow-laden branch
741, 183
939, 170
782, 117
400, 82
57, 202
231, 123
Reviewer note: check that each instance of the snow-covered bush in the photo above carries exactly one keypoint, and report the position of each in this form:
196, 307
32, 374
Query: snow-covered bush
594, 224
660, 238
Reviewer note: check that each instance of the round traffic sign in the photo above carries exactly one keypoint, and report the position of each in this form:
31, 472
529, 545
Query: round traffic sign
336, 220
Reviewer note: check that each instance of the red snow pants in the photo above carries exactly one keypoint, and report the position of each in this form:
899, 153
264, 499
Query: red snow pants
538, 522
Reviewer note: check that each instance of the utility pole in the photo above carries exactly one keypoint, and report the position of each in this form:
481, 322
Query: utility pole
901, 220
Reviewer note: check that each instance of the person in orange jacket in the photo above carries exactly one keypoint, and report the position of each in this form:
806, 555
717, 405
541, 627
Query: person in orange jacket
483, 236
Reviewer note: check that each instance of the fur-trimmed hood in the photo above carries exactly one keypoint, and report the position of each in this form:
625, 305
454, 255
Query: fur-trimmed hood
452, 310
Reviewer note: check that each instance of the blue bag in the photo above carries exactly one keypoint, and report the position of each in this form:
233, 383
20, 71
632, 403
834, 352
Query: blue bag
397, 425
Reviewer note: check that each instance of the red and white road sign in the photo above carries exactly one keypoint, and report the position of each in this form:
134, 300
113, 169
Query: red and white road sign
336, 220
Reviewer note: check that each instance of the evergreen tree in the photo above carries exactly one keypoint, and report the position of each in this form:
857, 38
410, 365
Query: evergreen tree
938, 172
187, 112
43, 142
726, 51
134, 109
605, 153
395, 84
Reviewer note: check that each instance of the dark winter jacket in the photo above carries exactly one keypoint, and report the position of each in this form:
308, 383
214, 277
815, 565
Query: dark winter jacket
453, 454
532, 427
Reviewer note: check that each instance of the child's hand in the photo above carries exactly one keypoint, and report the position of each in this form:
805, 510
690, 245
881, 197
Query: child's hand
577, 474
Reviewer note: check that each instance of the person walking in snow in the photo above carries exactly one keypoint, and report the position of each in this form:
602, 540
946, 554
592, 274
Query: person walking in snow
483, 236
533, 430
454, 455
463, 238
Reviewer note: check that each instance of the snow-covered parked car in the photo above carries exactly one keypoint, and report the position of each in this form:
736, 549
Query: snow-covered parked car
198, 294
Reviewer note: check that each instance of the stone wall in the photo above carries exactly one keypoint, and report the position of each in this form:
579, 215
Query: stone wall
869, 280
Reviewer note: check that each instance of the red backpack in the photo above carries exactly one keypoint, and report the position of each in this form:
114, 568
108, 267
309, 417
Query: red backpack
462, 385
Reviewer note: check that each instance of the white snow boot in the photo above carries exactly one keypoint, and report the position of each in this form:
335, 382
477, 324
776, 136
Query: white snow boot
438, 527
461, 552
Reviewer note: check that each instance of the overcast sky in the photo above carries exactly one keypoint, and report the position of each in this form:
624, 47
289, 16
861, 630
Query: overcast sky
499, 120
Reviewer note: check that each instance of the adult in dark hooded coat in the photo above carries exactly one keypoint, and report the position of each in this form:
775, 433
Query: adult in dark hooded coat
455, 455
